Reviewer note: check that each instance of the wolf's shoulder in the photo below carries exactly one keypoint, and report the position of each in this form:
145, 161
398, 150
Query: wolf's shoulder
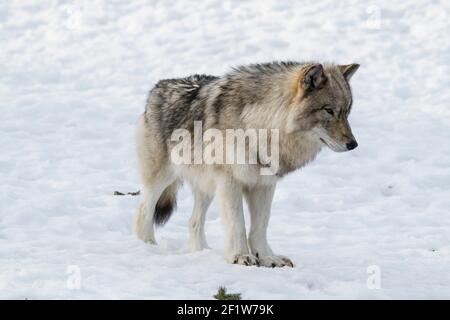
264, 68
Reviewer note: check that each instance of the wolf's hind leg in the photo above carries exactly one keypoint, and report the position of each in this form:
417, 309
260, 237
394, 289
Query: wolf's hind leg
259, 200
155, 175
197, 238
146, 210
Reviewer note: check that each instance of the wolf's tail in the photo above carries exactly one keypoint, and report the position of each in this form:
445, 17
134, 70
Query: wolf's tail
167, 202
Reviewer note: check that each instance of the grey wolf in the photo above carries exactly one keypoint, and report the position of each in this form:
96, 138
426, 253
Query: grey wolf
309, 105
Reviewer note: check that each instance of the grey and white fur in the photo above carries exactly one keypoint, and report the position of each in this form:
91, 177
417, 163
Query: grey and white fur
308, 102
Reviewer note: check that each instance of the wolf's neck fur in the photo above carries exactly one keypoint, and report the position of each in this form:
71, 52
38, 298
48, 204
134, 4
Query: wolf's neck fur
296, 149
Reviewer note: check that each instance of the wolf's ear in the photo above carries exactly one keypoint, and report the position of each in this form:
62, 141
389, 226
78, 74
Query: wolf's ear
313, 77
349, 70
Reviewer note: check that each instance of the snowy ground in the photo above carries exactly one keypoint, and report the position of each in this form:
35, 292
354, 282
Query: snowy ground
74, 78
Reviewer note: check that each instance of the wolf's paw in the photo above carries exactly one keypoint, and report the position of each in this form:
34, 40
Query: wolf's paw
150, 241
144, 230
275, 261
245, 260
147, 237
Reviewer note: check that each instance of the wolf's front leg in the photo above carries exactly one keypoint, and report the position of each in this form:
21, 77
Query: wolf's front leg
259, 201
229, 197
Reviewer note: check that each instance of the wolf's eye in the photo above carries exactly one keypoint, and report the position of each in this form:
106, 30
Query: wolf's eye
329, 110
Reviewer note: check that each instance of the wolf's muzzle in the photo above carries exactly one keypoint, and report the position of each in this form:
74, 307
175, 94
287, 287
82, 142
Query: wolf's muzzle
352, 145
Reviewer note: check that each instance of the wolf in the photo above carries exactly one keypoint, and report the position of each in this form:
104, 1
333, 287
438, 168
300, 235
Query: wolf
307, 102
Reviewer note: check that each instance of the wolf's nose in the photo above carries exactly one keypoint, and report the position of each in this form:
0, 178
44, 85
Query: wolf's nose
352, 145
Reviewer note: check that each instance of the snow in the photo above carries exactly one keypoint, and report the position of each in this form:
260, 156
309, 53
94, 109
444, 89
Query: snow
74, 78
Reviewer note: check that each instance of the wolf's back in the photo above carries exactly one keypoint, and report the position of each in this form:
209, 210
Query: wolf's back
179, 92
176, 103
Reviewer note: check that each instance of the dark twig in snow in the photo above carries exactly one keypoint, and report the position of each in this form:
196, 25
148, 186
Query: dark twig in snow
118, 193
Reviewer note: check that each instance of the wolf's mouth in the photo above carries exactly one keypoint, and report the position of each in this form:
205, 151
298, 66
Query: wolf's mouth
333, 146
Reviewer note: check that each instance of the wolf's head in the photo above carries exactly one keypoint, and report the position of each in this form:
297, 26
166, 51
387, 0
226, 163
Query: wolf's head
321, 103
